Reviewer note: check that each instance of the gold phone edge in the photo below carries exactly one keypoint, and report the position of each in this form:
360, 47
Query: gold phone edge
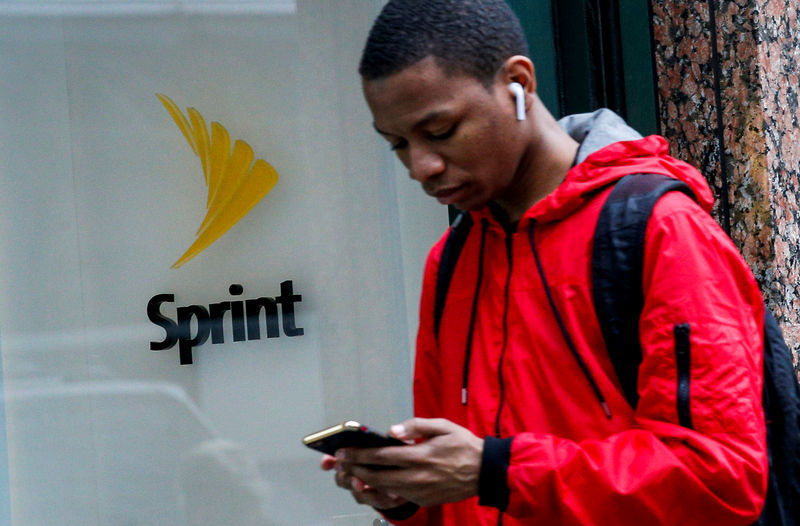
325, 433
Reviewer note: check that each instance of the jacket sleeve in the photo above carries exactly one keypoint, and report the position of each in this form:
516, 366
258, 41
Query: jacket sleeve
426, 378
696, 451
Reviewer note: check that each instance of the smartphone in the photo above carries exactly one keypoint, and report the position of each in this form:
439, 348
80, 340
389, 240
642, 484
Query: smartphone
348, 434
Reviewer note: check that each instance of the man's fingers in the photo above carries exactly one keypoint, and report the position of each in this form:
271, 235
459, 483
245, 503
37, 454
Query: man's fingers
373, 459
421, 428
441, 464
327, 463
343, 480
365, 494
359, 485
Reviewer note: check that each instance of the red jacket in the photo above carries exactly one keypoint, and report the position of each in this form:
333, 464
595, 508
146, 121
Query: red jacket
552, 455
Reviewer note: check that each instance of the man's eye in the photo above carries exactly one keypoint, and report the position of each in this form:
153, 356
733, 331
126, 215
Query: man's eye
444, 135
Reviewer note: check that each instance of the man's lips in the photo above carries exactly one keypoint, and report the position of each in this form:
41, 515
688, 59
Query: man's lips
449, 195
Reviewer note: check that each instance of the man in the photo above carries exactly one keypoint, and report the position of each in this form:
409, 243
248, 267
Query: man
512, 427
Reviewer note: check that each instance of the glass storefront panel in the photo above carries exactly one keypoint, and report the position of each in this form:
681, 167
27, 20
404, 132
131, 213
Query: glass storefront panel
295, 302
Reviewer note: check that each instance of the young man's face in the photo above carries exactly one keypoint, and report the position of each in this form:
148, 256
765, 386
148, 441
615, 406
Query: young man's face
461, 141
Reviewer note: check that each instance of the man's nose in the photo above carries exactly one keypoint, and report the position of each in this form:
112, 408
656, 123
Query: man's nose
424, 164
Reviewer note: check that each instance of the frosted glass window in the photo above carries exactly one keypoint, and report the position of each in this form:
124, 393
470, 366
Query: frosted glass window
101, 193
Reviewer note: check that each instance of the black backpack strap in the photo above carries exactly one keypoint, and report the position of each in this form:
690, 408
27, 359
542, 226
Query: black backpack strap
782, 413
617, 262
459, 231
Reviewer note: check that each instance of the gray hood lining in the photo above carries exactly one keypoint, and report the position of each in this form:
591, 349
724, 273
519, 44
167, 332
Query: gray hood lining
594, 131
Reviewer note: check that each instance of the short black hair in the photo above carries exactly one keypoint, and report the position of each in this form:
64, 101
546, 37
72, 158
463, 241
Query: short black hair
472, 37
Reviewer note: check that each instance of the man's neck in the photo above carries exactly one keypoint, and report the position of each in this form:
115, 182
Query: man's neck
544, 166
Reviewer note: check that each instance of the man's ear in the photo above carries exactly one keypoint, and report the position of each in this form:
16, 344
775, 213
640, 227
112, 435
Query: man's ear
519, 69
517, 78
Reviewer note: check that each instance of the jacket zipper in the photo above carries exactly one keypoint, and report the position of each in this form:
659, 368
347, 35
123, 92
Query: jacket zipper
683, 363
500, 381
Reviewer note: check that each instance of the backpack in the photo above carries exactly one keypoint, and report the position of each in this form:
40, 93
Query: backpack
617, 262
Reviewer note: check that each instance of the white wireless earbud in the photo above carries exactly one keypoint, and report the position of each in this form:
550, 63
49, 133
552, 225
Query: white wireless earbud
519, 93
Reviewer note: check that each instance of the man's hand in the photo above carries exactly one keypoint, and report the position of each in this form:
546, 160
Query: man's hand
442, 466
362, 493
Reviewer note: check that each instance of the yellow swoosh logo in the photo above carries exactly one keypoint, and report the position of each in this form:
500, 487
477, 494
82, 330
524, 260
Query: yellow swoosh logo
235, 183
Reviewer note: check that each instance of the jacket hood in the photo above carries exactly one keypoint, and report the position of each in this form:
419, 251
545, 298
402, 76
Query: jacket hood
610, 149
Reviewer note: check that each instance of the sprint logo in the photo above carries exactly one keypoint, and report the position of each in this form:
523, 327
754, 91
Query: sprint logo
235, 183
195, 323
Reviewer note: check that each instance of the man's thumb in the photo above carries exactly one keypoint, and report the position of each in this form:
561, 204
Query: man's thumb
419, 428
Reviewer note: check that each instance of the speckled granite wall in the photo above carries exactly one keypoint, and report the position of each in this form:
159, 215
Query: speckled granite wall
732, 110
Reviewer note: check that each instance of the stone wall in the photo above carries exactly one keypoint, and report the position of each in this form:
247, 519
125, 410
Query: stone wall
728, 77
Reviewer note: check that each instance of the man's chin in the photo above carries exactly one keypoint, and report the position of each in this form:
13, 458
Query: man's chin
469, 206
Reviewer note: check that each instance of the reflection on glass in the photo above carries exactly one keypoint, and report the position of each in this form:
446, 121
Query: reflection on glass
100, 194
